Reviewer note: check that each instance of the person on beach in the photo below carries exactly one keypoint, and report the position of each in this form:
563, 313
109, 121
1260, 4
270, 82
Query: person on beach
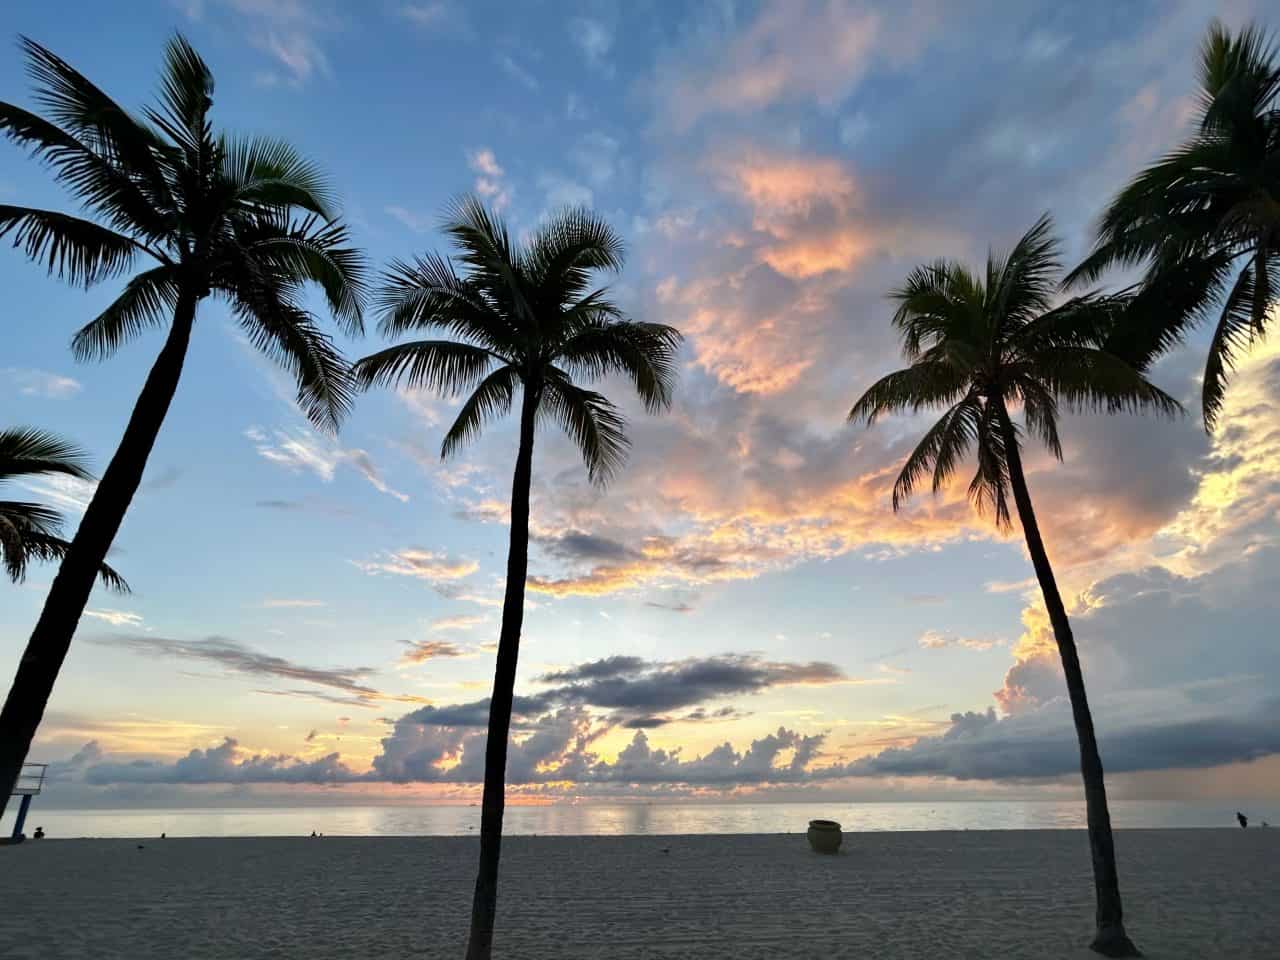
39, 834
1244, 821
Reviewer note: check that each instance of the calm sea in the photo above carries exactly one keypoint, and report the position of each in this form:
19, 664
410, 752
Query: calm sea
600, 819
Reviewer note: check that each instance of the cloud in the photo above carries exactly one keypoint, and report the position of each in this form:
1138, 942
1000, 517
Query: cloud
1195, 726
563, 192
596, 154
594, 38
117, 618
278, 504
70, 493
490, 182
238, 658
417, 222
226, 763
420, 651
808, 51
303, 450
516, 72
681, 607
436, 569
287, 31
426, 14
41, 383
937, 640
459, 622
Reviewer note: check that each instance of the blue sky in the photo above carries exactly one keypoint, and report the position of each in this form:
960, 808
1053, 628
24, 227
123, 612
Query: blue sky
775, 167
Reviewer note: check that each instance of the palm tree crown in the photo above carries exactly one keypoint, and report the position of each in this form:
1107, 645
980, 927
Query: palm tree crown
1205, 219
979, 345
529, 318
248, 220
30, 531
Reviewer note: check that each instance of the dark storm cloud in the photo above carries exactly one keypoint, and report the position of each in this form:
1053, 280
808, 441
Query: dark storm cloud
1197, 726
616, 666
575, 546
645, 688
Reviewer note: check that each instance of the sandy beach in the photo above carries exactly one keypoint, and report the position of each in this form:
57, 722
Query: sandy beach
1008, 894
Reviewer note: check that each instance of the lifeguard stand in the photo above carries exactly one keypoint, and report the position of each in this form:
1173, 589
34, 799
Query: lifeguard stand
30, 783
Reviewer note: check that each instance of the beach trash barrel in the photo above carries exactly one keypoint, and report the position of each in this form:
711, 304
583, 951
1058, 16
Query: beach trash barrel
825, 836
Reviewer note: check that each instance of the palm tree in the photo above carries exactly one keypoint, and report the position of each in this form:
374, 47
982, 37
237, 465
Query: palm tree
979, 345
29, 531
245, 219
522, 319
1204, 221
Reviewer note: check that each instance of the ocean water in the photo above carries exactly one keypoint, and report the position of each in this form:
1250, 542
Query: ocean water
616, 819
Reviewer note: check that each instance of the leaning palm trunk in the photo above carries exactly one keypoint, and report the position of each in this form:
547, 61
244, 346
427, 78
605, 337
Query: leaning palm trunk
51, 638
246, 219
484, 906
1110, 939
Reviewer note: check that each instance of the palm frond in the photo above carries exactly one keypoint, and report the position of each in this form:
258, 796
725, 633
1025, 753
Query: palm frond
312, 250
263, 172
989, 489
938, 453
1040, 409
912, 389
99, 183
591, 421
25, 451
1024, 284
21, 526
80, 251
1234, 334
484, 245
645, 353
1239, 76
97, 121
186, 94
566, 249
443, 366
490, 401
49, 548
289, 335
1166, 306
148, 300
1087, 379
428, 294
939, 300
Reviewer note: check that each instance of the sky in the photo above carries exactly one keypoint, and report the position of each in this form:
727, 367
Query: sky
740, 614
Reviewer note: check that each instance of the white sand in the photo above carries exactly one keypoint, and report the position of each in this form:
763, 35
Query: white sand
1189, 893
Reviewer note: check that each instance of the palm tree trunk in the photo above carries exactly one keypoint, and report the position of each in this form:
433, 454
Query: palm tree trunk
484, 905
51, 638
1110, 939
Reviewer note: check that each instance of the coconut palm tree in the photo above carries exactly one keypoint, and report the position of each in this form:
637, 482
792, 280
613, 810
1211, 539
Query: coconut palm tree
982, 345
246, 220
29, 531
521, 320
1204, 221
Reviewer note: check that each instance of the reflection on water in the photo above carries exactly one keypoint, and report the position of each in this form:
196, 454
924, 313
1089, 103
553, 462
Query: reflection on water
600, 819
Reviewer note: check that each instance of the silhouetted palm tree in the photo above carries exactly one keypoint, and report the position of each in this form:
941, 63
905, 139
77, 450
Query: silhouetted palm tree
216, 216
29, 531
1205, 220
979, 344
524, 320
